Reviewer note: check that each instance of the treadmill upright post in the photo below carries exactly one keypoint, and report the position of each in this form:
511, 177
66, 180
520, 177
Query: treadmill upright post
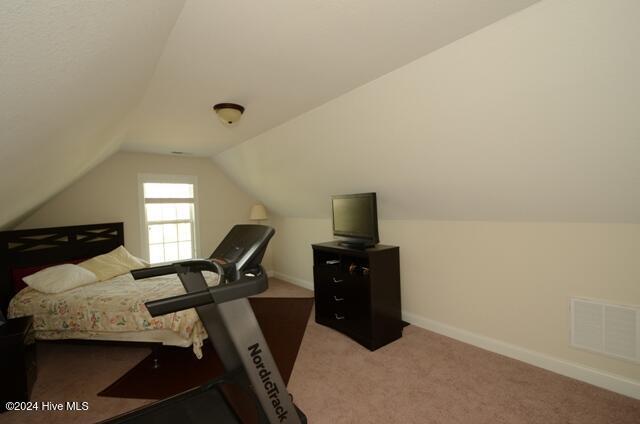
210, 317
263, 373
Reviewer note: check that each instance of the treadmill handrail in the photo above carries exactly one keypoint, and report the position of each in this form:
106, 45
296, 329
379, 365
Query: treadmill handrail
154, 271
174, 268
248, 285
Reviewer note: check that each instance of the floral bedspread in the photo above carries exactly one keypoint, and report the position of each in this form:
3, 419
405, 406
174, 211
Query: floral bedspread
115, 305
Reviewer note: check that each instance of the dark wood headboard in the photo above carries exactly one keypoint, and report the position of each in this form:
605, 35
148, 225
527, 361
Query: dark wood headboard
45, 246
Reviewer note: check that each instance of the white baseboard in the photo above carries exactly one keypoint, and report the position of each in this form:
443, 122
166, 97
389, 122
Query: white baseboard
593, 376
293, 280
598, 378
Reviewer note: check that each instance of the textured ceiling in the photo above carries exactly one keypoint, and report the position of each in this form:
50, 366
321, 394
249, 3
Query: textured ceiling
281, 58
70, 72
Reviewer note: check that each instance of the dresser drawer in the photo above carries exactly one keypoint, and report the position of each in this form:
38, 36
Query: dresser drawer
342, 300
332, 314
329, 274
335, 285
329, 281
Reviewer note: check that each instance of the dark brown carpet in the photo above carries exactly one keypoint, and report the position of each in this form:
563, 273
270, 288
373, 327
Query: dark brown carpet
282, 320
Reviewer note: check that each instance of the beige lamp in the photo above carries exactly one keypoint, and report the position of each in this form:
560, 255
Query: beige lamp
258, 213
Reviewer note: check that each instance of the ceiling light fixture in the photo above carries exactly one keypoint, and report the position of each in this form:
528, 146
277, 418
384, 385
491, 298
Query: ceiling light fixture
229, 113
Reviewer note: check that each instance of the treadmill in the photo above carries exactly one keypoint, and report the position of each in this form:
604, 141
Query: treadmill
233, 331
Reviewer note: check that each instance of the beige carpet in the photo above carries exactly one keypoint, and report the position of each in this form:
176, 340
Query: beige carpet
421, 378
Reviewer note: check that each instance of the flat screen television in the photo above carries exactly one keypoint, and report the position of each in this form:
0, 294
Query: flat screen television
355, 219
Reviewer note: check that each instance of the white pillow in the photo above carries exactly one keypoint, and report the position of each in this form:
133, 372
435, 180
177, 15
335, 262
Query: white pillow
117, 262
59, 278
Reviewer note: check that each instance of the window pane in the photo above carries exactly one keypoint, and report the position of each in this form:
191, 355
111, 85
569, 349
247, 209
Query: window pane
168, 240
168, 212
168, 191
171, 252
170, 232
154, 212
185, 250
184, 232
155, 234
183, 210
156, 253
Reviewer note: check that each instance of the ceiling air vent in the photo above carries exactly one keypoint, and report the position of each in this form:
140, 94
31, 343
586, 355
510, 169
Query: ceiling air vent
605, 328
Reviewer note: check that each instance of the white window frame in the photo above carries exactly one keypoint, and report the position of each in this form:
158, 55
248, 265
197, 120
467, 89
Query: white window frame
172, 179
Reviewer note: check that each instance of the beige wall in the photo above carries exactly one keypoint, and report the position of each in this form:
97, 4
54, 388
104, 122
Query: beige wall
506, 281
531, 119
110, 193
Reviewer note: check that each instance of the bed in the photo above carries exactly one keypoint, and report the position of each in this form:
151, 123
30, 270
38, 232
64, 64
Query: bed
111, 310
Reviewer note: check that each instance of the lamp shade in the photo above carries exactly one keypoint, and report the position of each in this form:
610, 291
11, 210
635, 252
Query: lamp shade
258, 213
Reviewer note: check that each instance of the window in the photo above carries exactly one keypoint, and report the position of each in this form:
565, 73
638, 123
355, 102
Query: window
169, 215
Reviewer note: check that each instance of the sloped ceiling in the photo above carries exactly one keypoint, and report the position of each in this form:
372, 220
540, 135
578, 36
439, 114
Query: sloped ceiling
533, 118
70, 71
280, 58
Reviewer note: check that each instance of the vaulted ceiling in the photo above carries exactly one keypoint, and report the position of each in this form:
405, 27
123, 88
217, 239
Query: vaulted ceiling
282, 58
70, 73
82, 79
534, 118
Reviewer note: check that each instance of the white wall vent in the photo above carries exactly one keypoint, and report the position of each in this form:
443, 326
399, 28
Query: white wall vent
613, 330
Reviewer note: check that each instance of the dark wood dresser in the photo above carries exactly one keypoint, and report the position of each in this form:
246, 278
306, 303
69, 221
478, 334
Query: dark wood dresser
17, 360
357, 292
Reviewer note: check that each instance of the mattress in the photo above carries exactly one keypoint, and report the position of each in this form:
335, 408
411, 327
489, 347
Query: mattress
113, 310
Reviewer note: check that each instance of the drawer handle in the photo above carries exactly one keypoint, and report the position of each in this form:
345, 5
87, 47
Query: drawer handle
338, 299
339, 316
336, 281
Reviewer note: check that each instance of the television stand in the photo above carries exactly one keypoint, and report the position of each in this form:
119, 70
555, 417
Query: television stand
357, 291
354, 245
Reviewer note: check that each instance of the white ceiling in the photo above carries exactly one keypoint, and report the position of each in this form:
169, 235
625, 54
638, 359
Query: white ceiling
70, 71
281, 58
